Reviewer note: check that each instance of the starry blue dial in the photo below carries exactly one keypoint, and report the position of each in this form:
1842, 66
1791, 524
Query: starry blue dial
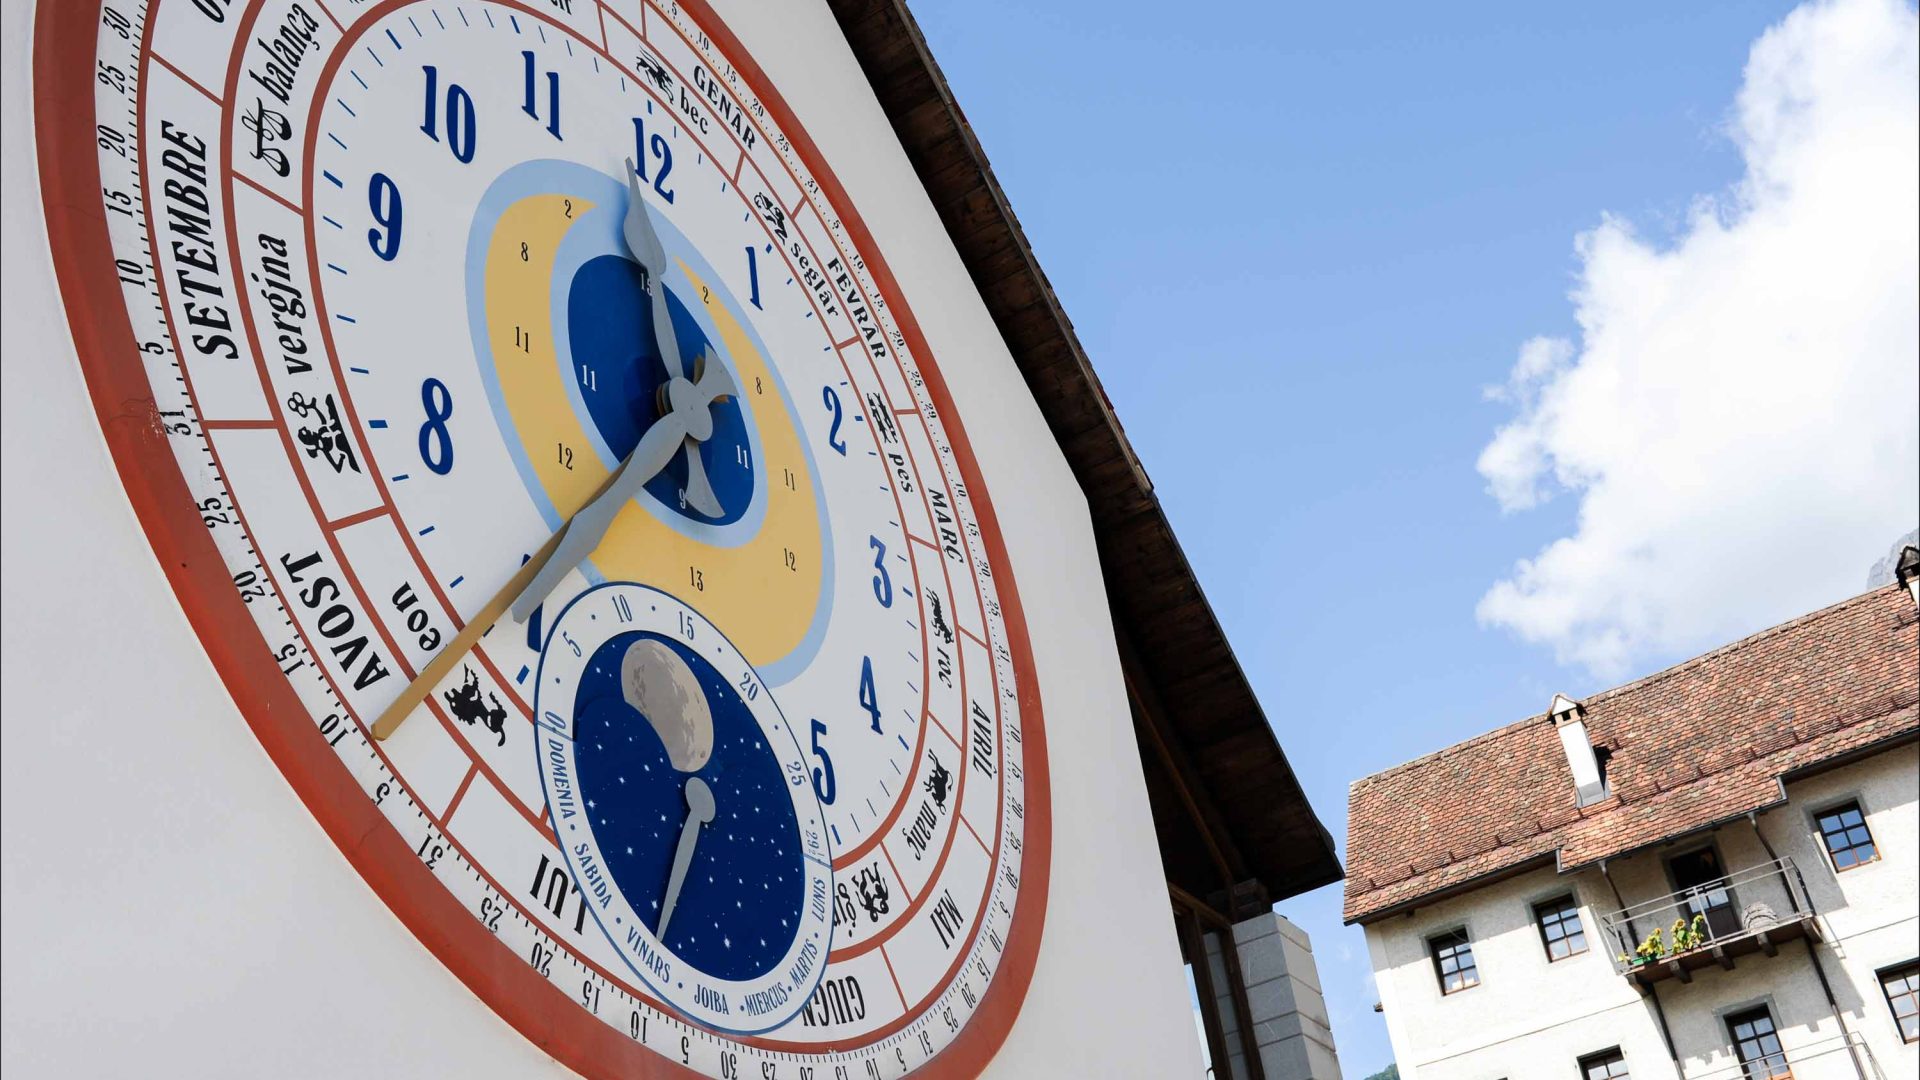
740, 904
684, 808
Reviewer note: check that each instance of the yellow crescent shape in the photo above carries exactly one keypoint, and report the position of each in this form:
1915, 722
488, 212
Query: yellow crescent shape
762, 593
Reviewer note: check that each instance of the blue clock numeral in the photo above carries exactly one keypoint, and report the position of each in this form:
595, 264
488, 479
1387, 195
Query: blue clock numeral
431, 125
660, 150
436, 445
882, 583
823, 785
459, 115
753, 277
553, 95
834, 440
868, 699
383, 198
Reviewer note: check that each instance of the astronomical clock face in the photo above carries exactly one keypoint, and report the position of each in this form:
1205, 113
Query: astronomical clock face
516, 379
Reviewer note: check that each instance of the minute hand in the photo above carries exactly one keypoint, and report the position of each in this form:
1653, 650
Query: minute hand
686, 419
643, 243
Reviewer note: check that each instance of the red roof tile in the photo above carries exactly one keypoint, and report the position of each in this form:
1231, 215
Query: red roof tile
1698, 743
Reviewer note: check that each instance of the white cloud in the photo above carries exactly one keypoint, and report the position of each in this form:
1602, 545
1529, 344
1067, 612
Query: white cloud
1740, 417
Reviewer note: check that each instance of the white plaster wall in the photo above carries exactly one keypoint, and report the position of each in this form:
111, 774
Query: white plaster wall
1790, 989
1871, 913
1529, 1017
170, 908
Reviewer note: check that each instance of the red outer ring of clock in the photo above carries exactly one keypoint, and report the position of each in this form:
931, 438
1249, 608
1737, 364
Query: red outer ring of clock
65, 46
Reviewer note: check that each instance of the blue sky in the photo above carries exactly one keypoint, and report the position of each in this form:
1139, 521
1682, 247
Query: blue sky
1299, 241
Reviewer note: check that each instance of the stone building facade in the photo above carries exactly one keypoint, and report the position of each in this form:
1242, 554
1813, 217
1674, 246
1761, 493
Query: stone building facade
1708, 873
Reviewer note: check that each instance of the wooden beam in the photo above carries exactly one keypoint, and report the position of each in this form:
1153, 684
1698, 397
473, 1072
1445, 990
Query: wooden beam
1254, 1069
1203, 987
1150, 718
1196, 911
1207, 912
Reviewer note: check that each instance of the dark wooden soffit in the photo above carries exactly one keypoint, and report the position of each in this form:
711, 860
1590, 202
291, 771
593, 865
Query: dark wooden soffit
1180, 652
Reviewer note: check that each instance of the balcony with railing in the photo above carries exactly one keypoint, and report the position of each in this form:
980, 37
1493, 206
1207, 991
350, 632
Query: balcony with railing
1845, 1056
1714, 923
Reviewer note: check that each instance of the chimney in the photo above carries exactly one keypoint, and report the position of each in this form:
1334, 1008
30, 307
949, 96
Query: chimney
1907, 571
1589, 780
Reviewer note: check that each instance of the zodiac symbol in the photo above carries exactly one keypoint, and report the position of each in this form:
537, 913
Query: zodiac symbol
939, 781
939, 618
775, 216
873, 892
654, 70
326, 438
469, 709
268, 127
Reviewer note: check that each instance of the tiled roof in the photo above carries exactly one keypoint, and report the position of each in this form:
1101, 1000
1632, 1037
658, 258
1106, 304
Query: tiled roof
1698, 743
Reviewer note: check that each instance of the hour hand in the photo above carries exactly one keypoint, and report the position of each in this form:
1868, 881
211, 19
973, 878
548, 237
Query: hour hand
711, 383
699, 490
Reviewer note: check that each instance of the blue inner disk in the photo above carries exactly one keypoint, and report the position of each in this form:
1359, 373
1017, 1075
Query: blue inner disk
610, 326
740, 905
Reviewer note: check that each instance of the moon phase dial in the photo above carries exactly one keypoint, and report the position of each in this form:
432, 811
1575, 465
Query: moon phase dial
681, 799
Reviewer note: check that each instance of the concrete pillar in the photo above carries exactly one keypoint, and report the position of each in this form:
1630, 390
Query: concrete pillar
1283, 993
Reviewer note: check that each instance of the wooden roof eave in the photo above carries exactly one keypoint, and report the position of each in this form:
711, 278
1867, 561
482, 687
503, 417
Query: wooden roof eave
1213, 723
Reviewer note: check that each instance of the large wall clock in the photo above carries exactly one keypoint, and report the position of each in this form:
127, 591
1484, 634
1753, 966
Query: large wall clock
551, 467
